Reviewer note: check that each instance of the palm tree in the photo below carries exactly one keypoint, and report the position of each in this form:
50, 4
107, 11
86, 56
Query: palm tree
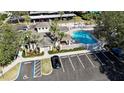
54, 27
61, 35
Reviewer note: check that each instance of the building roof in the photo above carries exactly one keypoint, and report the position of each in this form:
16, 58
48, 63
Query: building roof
42, 24
52, 16
20, 27
39, 12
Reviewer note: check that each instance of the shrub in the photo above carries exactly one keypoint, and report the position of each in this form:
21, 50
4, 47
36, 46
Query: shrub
31, 54
3, 16
62, 51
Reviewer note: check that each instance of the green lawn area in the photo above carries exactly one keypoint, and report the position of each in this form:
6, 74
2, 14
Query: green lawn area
46, 66
11, 74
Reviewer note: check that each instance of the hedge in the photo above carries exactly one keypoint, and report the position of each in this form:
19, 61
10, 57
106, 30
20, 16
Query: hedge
32, 55
69, 50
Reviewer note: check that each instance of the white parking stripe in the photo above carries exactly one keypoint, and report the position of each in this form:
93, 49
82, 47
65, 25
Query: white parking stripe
89, 53
63, 57
80, 54
115, 56
27, 62
80, 62
36, 70
62, 65
71, 63
106, 56
72, 55
90, 61
98, 58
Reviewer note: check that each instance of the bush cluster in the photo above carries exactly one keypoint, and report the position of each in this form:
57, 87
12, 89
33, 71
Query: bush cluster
31, 54
62, 51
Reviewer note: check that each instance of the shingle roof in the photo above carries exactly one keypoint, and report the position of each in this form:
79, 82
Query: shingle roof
42, 24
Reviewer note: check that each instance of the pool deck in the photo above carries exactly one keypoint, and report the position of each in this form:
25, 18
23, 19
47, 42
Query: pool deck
77, 29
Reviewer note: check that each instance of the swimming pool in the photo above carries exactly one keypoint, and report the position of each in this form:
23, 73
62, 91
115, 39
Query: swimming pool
83, 37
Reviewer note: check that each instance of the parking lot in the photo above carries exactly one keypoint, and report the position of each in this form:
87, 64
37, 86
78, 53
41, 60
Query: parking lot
26, 71
78, 67
81, 67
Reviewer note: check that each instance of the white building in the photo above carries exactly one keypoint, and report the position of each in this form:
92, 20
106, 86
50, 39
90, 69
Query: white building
43, 16
42, 27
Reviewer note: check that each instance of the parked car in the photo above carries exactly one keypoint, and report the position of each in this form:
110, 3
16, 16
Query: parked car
118, 52
55, 62
115, 76
105, 68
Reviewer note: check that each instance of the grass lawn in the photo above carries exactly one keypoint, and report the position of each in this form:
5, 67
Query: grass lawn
11, 74
46, 66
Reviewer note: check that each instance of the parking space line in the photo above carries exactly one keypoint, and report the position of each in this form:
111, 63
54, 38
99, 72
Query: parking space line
90, 60
27, 62
98, 58
33, 69
71, 63
41, 68
80, 62
106, 56
80, 54
62, 65
63, 57
72, 55
89, 53
115, 56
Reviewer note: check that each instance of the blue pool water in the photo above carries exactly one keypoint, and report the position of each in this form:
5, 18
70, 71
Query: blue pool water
84, 37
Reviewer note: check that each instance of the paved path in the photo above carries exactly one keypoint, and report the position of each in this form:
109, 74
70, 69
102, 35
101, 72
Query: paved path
46, 55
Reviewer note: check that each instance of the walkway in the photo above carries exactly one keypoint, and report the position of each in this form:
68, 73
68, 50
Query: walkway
46, 55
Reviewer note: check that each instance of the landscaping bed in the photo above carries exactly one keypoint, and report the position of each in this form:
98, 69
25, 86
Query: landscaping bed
31, 54
11, 74
63, 51
46, 67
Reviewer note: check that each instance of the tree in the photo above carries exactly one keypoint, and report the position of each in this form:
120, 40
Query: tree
17, 14
77, 19
9, 43
27, 19
54, 27
36, 37
113, 26
3, 17
61, 35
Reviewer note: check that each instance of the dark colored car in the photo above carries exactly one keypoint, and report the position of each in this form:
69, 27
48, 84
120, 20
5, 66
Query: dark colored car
105, 68
118, 52
55, 62
115, 76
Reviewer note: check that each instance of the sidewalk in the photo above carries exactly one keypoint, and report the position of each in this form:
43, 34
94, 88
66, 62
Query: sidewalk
46, 55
